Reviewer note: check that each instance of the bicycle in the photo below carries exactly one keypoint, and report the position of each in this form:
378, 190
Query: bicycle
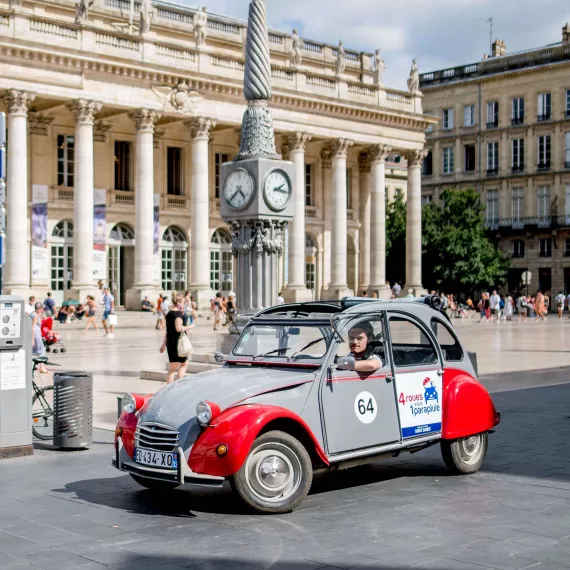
42, 412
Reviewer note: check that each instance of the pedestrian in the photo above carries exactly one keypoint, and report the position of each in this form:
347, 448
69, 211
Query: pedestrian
108, 310
49, 303
494, 303
159, 314
539, 307
175, 327
91, 306
560, 299
232, 307
63, 314
38, 347
280, 299
188, 309
217, 309
147, 306
396, 289
509, 308
29, 308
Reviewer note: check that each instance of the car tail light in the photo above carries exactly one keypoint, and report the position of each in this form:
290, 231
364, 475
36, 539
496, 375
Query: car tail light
132, 403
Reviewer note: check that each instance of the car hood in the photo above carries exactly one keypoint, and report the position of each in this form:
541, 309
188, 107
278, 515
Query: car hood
175, 404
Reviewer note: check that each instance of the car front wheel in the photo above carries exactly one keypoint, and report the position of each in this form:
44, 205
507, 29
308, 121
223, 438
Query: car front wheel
465, 455
277, 474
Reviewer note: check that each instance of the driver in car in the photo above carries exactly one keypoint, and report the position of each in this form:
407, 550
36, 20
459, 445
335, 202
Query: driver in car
359, 338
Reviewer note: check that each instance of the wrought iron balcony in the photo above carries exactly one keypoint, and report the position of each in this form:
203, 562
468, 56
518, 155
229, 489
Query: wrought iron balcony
535, 222
543, 166
544, 117
492, 171
517, 120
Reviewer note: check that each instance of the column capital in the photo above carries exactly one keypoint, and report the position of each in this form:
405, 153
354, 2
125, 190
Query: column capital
379, 152
84, 110
144, 119
326, 156
18, 101
339, 147
297, 141
200, 127
416, 157
39, 123
100, 130
364, 161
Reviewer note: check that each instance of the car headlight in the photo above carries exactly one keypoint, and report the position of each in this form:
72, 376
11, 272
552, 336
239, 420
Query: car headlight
203, 413
132, 403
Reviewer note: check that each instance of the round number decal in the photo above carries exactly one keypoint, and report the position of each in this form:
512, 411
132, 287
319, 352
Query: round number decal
365, 407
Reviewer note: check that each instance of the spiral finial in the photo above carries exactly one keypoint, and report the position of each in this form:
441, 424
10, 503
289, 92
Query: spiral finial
257, 81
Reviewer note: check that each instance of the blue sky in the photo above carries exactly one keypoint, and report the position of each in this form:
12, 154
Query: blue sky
439, 33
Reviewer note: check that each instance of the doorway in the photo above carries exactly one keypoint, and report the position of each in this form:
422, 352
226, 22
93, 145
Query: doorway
121, 262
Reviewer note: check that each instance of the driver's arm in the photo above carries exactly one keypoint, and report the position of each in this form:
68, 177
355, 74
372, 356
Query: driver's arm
370, 365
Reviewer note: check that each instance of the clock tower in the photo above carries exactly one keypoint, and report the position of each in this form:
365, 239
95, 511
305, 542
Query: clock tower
257, 186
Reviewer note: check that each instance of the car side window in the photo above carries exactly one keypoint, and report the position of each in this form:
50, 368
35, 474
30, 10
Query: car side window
452, 351
375, 345
410, 344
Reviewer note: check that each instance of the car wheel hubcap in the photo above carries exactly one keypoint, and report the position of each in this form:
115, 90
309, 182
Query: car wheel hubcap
470, 448
273, 472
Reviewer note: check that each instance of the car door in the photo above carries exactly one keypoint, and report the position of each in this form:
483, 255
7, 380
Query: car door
418, 376
359, 410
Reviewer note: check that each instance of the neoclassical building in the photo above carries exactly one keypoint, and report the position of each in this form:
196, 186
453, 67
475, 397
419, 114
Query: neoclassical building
117, 130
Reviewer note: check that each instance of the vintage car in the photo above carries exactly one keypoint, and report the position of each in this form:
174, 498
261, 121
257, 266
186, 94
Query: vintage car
289, 403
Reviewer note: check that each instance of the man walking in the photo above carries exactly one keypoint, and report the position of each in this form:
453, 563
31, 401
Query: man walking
560, 299
494, 303
108, 309
49, 304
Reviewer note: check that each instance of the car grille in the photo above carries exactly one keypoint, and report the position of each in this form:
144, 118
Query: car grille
155, 436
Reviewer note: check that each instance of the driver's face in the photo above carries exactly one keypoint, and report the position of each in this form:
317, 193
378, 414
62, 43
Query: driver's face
357, 341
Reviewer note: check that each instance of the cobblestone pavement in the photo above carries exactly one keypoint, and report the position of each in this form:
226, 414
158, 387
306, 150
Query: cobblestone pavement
73, 510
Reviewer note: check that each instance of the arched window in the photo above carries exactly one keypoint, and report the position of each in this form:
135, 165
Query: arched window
174, 260
61, 250
122, 232
310, 263
221, 262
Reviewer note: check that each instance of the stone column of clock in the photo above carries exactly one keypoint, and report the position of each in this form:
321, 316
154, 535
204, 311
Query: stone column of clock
200, 249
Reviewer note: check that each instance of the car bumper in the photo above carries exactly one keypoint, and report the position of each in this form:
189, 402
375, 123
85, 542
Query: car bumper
182, 475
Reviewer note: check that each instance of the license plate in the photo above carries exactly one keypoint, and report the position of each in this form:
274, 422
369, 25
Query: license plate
156, 459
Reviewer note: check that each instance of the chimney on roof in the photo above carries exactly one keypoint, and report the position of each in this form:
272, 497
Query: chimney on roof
499, 48
566, 34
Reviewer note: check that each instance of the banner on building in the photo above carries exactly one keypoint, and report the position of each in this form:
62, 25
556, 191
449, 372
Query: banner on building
156, 248
99, 234
40, 258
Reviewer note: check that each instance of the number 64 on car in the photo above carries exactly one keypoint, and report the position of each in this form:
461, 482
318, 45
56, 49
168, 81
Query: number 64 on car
309, 388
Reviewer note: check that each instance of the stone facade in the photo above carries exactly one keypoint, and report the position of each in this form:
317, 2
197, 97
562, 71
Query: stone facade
144, 119
504, 129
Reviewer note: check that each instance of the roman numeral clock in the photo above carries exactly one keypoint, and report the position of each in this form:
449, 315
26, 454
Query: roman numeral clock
257, 186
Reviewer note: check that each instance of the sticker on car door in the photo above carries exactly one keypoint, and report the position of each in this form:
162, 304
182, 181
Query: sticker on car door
419, 402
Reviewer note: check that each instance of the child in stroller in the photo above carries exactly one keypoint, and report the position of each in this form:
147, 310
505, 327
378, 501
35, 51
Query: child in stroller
52, 340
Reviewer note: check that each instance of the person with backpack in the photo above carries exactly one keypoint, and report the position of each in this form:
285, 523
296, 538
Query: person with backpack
560, 301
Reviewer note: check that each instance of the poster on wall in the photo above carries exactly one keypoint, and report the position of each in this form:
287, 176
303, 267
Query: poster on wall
156, 248
99, 235
40, 265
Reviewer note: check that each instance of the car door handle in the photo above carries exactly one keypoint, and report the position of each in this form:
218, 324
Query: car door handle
440, 372
389, 379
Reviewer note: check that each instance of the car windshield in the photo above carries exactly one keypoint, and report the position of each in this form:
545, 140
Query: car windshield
283, 341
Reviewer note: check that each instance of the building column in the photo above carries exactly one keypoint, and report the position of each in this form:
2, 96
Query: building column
364, 234
379, 154
83, 283
296, 290
144, 120
17, 267
200, 269
326, 171
414, 224
338, 287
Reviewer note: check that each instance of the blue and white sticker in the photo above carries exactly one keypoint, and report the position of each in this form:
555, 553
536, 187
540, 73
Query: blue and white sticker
419, 402
365, 407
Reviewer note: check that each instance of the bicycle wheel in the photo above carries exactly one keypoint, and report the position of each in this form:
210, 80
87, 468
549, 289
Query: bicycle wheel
42, 413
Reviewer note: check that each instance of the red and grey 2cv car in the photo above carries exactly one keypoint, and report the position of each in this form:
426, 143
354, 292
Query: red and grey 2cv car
312, 387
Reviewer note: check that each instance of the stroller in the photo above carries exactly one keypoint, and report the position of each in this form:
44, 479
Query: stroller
52, 340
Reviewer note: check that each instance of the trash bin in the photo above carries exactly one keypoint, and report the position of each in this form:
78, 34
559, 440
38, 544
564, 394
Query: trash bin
73, 410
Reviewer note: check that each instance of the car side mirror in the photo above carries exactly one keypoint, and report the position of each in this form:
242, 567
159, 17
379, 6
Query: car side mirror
218, 357
345, 363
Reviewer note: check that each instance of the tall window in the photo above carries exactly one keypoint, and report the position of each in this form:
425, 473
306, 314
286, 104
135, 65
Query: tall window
545, 247
517, 207
448, 118
518, 155
468, 115
221, 263
174, 171
448, 160
567, 150
543, 209
492, 208
349, 188
427, 164
308, 184
518, 248
220, 158
492, 114
567, 103
492, 158
65, 160
174, 260
122, 165
310, 263
544, 106
518, 111
62, 256
469, 158
544, 152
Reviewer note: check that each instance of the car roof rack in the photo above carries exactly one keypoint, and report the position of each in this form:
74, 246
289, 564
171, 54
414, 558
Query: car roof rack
432, 301
297, 310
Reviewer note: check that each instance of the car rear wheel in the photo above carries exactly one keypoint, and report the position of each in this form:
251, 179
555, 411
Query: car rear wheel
465, 455
154, 485
277, 474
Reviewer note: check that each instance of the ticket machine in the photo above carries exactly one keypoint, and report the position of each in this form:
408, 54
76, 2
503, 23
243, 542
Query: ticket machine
15, 379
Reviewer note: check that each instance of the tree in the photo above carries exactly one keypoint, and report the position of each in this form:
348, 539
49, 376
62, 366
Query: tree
458, 256
396, 240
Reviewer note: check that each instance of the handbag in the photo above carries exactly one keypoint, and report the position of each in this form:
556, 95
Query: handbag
184, 346
112, 320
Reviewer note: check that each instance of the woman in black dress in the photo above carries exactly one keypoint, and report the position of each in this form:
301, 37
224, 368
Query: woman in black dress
177, 365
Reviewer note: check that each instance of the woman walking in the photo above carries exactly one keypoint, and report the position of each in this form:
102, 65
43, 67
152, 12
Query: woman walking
177, 365
91, 313
38, 348
509, 308
539, 307
188, 309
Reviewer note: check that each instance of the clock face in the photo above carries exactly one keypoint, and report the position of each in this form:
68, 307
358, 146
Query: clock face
238, 189
277, 190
